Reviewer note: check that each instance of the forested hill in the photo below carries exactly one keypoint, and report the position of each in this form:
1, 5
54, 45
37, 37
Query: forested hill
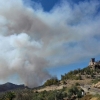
78, 74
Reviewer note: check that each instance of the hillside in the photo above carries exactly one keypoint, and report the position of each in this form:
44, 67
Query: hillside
76, 76
76, 84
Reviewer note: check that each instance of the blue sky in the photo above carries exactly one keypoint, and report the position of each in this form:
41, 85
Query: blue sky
49, 4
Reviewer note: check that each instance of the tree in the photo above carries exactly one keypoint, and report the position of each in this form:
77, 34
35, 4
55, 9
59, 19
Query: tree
9, 96
53, 81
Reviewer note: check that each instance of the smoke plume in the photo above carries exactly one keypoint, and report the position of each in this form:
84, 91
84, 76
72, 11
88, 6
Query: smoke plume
32, 40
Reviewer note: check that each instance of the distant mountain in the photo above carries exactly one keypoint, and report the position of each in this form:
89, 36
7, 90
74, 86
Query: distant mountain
10, 86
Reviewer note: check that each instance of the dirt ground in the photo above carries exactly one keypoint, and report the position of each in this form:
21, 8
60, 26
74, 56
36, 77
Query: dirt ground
94, 98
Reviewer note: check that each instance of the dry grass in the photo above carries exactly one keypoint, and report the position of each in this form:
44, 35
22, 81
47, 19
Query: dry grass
72, 82
87, 97
94, 98
49, 88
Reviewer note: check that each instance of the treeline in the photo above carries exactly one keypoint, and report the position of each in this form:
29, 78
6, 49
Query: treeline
77, 74
52, 81
71, 76
74, 75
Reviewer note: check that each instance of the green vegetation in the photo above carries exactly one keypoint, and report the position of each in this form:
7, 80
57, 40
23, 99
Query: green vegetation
71, 76
97, 96
63, 93
53, 81
8, 96
74, 91
77, 74
96, 81
71, 93
50, 95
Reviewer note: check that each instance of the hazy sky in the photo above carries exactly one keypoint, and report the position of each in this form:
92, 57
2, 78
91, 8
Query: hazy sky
41, 38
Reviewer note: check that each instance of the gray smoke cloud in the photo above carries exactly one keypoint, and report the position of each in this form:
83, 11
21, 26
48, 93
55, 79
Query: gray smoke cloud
32, 40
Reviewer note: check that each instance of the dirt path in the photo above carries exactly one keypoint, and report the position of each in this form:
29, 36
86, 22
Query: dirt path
94, 98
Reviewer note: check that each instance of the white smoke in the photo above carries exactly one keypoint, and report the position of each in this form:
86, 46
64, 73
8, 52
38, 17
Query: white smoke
19, 54
32, 40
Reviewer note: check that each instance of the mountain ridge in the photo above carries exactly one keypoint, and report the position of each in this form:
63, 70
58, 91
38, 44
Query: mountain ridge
10, 86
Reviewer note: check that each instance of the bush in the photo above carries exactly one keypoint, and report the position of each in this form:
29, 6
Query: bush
53, 81
8, 96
